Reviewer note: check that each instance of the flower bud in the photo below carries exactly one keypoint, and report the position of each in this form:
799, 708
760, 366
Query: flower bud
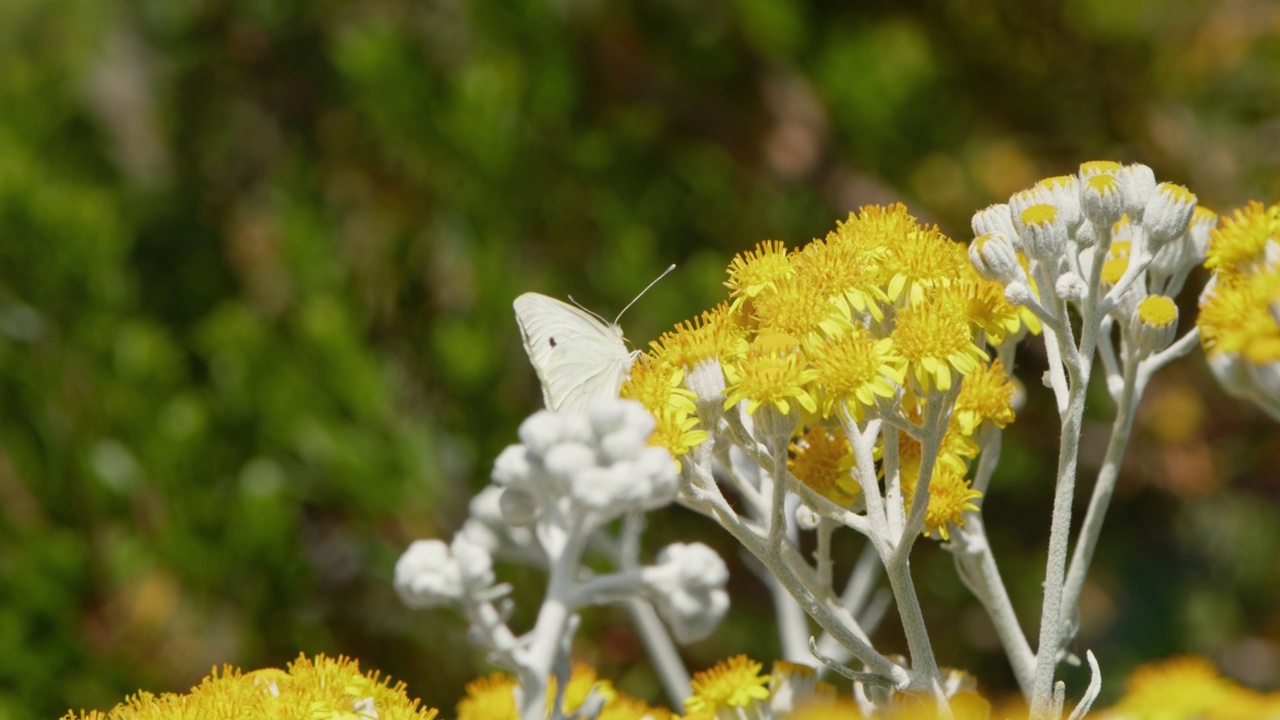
1102, 199
994, 257
1044, 233
1137, 182
995, 219
1070, 287
1155, 323
1168, 214
427, 576
687, 587
1063, 193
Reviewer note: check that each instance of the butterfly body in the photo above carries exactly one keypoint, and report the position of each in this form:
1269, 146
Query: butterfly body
578, 357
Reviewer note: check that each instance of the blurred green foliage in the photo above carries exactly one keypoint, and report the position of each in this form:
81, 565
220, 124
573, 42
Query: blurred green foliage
257, 262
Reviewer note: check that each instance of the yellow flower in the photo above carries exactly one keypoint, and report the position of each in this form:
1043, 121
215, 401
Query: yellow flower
1181, 688
734, 682
987, 395
920, 260
323, 689
949, 492
752, 272
797, 307
1117, 261
1234, 317
990, 312
822, 459
490, 698
856, 369
716, 335
657, 386
493, 698
773, 372
1240, 240
845, 267
935, 339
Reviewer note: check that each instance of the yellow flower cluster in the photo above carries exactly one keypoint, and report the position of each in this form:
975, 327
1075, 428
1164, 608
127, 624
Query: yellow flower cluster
1240, 307
493, 698
1188, 688
319, 689
881, 310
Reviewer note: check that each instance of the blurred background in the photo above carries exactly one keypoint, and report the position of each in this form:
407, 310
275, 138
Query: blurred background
257, 262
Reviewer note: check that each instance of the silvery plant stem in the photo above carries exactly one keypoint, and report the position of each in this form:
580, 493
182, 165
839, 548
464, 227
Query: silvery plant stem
1079, 364
1104, 486
1055, 566
976, 564
548, 634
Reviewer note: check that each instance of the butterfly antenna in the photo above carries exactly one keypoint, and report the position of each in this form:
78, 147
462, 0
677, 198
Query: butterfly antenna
645, 290
588, 310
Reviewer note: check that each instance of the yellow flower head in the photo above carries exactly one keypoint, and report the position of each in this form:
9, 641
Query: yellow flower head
1234, 317
716, 335
658, 386
734, 682
846, 267
821, 459
1240, 241
990, 312
921, 260
949, 492
936, 340
854, 369
752, 272
986, 396
800, 308
772, 372
319, 689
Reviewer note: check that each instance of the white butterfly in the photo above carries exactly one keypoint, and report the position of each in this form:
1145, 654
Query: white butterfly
579, 357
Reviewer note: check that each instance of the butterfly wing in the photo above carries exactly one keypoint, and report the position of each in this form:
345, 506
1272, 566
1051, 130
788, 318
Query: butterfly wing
577, 357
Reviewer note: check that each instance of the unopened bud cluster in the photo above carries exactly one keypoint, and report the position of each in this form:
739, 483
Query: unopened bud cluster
1109, 234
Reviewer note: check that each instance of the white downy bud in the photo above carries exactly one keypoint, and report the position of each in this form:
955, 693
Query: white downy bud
995, 219
1063, 192
1168, 214
1044, 234
427, 575
1102, 199
1017, 293
1155, 323
511, 468
994, 257
475, 563
1137, 182
687, 587
519, 507
1070, 287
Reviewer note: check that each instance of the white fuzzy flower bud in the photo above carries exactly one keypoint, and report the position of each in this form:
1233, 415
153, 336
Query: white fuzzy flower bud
427, 575
475, 563
687, 586
1044, 234
540, 431
567, 459
511, 468
1063, 192
519, 507
994, 257
1155, 323
1168, 214
706, 380
1102, 198
1085, 236
1070, 287
1137, 182
995, 219
1017, 293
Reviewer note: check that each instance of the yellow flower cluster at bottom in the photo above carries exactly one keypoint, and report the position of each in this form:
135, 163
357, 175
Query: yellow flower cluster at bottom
319, 689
